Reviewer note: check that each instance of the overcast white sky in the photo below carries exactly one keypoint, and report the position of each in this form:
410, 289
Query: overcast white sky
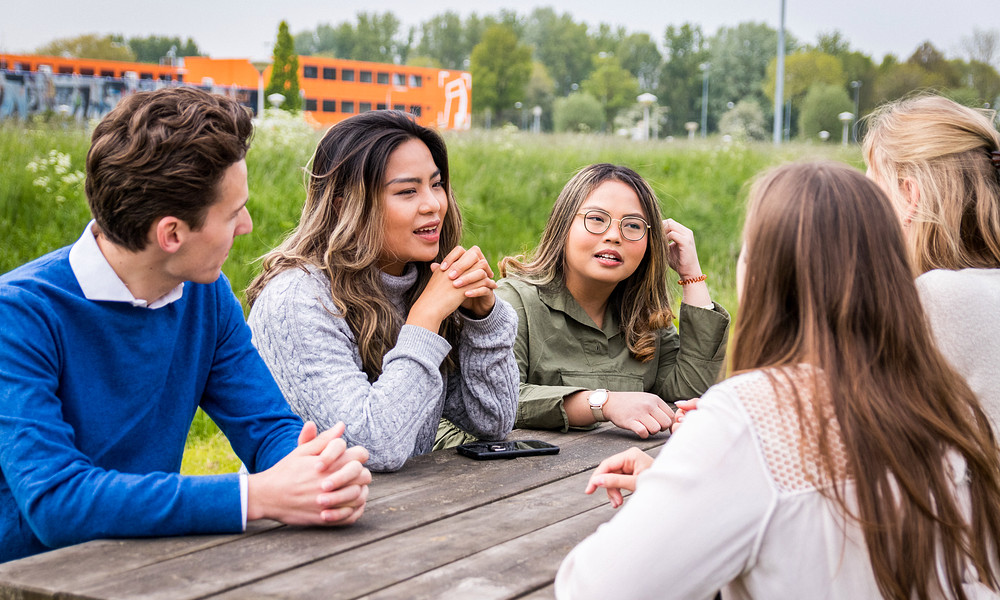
247, 29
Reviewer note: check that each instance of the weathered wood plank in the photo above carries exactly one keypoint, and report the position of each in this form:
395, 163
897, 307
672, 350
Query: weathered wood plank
546, 593
504, 571
429, 488
368, 568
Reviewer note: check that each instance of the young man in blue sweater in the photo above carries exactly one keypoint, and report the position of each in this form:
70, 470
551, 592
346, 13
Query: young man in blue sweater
108, 347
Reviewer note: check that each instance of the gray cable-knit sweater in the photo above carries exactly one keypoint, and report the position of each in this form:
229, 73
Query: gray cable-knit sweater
314, 358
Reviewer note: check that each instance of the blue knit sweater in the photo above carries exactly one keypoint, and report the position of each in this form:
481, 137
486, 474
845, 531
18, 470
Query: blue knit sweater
96, 399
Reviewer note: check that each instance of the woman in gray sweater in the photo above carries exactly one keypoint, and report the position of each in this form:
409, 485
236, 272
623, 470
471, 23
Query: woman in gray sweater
372, 314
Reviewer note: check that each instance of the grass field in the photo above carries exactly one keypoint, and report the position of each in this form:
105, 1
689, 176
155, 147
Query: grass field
505, 182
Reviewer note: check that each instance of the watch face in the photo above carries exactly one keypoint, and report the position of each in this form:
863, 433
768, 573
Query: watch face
598, 398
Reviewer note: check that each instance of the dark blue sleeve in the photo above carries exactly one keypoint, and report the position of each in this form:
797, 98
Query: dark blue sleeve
242, 397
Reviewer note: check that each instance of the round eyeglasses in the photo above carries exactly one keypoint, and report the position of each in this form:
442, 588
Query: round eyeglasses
597, 221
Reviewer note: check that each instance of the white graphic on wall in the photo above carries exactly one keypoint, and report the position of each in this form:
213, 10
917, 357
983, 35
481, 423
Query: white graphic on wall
457, 111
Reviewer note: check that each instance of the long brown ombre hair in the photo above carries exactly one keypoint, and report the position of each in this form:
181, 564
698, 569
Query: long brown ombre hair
641, 300
944, 148
828, 283
341, 233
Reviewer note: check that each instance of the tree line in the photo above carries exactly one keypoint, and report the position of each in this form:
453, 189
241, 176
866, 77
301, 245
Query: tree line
588, 78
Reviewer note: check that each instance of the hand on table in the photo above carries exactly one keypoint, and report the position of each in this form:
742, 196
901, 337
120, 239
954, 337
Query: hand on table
619, 472
321, 482
644, 413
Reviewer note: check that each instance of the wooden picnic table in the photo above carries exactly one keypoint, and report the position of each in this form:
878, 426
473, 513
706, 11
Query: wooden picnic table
445, 526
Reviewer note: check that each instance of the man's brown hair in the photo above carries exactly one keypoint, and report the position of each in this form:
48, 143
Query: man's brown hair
159, 154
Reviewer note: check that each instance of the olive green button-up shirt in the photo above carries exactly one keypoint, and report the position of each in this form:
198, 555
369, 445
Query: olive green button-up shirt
560, 351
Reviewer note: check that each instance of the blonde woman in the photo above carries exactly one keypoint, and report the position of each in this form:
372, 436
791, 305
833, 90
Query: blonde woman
845, 459
939, 162
371, 313
595, 339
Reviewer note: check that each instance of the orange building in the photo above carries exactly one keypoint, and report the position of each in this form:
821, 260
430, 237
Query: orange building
332, 89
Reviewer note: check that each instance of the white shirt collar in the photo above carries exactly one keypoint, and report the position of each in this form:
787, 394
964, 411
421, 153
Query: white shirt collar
99, 281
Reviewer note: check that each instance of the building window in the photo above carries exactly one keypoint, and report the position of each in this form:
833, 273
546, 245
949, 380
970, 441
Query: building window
415, 110
366, 76
347, 74
380, 106
309, 71
64, 70
398, 79
401, 107
311, 104
364, 107
382, 78
165, 77
329, 73
347, 107
180, 77
145, 76
415, 81
107, 73
329, 106
86, 71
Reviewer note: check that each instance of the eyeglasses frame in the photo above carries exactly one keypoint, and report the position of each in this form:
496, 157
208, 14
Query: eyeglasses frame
620, 230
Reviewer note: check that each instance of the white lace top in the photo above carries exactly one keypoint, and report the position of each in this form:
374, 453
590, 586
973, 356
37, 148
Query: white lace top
731, 503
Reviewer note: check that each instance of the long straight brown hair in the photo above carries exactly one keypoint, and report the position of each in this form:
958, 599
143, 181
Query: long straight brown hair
642, 300
828, 283
341, 233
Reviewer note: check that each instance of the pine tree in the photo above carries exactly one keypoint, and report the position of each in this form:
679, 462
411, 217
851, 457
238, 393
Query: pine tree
285, 71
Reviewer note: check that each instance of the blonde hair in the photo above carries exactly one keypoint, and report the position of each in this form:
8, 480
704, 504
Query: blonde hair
641, 300
944, 148
340, 232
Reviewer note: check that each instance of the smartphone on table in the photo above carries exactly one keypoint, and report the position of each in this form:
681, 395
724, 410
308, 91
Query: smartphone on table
511, 449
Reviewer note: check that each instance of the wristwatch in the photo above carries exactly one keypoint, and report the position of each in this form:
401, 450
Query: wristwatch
597, 399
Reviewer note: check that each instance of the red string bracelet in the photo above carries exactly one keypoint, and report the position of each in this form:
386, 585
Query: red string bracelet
697, 279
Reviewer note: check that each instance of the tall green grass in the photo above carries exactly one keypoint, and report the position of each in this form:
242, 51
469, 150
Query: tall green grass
505, 182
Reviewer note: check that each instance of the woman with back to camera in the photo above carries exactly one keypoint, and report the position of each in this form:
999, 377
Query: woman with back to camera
595, 338
939, 162
845, 459
371, 313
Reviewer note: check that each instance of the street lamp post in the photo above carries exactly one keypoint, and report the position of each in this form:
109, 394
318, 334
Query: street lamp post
845, 118
704, 98
856, 86
779, 79
646, 100
536, 127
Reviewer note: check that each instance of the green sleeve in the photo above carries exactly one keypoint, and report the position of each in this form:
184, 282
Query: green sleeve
692, 362
539, 406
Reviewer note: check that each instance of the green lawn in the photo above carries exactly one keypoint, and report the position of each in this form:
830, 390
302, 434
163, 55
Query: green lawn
505, 182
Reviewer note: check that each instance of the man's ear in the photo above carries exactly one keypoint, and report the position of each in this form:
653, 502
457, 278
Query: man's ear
169, 234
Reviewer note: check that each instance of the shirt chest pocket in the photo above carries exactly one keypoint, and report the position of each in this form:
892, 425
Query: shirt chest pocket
593, 380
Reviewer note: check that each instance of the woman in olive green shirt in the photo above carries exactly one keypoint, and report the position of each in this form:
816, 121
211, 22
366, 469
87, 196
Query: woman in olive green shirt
595, 339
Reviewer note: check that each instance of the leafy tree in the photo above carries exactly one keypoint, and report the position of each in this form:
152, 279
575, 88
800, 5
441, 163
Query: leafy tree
929, 58
612, 86
563, 45
859, 68
640, 56
804, 69
821, 106
739, 59
680, 80
501, 66
151, 49
744, 122
608, 40
578, 112
375, 37
89, 45
285, 71
443, 38
540, 91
